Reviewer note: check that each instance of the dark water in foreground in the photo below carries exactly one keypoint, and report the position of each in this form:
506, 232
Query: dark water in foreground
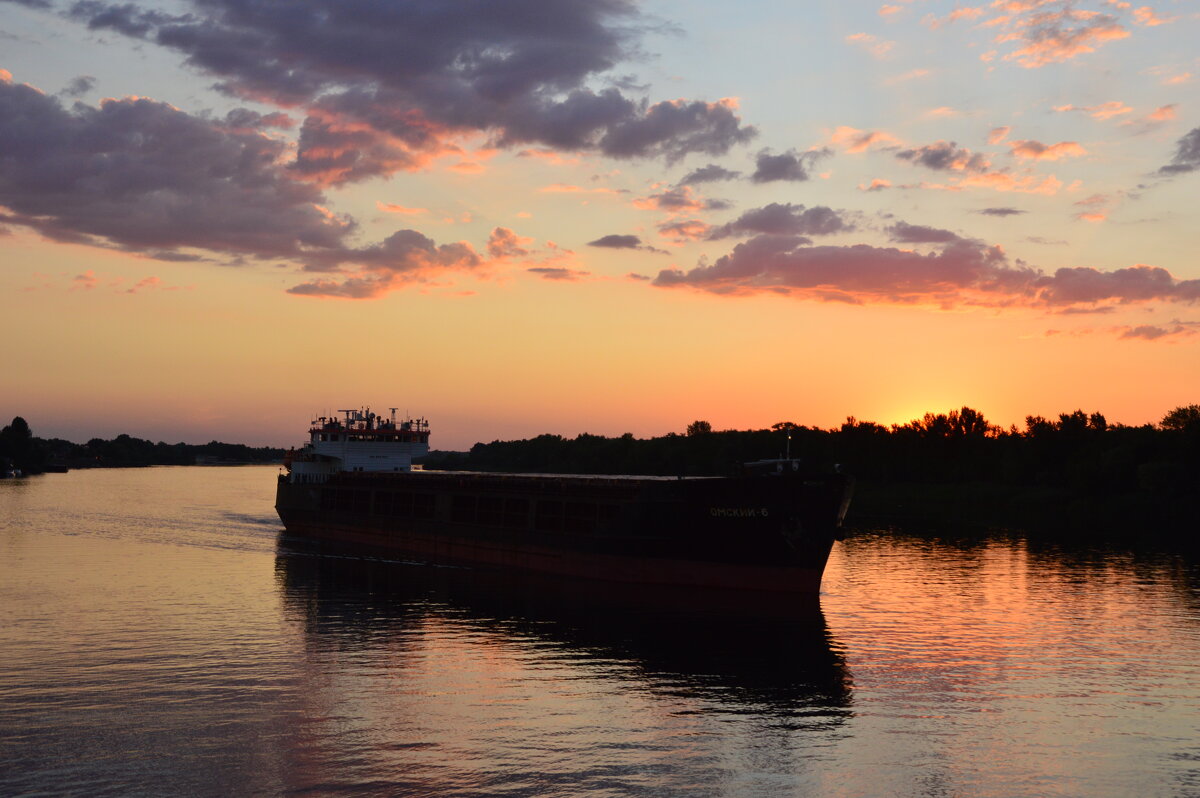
157, 638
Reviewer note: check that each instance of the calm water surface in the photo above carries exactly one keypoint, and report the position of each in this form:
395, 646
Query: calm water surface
157, 636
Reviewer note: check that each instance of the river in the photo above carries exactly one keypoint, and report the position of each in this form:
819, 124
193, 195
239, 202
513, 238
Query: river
159, 637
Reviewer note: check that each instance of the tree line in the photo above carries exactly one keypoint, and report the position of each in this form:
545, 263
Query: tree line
22, 451
956, 463
960, 445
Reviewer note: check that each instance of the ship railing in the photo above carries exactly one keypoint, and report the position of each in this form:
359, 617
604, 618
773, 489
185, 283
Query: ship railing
309, 478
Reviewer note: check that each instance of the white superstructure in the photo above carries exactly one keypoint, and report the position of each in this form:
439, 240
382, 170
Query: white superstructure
361, 441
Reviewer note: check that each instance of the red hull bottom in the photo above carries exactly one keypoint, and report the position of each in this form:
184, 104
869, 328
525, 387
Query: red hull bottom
573, 564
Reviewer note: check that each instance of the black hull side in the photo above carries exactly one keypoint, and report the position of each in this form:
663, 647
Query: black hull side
765, 533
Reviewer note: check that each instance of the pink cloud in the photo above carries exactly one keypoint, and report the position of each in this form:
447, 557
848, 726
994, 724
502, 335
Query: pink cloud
878, 184
685, 231
336, 148
147, 283
551, 156
964, 12
89, 281
877, 47
1022, 184
998, 134
1049, 37
1102, 111
682, 199
568, 188
1035, 150
1153, 120
389, 207
402, 259
911, 74
1146, 16
1020, 6
887, 11
1164, 113
853, 140
503, 243
1094, 201
474, 164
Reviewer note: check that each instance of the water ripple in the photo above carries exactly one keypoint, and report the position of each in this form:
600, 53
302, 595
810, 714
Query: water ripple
157, 636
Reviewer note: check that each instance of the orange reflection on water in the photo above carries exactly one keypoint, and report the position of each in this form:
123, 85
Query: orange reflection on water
999, 660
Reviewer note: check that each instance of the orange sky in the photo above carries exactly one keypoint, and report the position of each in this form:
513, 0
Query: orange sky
907, 208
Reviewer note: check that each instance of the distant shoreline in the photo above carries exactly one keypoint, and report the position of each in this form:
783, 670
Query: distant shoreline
1076, 475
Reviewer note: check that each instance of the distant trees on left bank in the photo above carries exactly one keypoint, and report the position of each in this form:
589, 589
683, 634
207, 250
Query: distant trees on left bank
21, 450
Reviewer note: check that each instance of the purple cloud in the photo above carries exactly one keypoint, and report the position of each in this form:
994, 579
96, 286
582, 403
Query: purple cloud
141, 175
945, 156
1187, 155
859, 273
708, 174
918, 234
678, 200
403, 258
79, 86
1078, 285
783, 219
1174, 329
391, 83
1049, 37
961, 272
617, 241
558, 273
791, 165
1147, 332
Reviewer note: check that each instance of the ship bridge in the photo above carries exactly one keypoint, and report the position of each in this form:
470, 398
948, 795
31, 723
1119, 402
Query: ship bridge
359, 441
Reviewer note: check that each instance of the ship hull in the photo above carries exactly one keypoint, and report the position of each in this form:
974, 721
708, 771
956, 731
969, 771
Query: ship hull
754, 533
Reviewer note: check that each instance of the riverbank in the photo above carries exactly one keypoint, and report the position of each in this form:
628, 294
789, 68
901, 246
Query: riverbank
982, 506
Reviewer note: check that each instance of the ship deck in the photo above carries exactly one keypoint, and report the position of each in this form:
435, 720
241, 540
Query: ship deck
623, 478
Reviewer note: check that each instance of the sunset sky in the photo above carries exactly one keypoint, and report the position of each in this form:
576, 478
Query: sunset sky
219, 218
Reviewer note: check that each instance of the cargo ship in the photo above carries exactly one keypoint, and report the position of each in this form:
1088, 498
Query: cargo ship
770, 527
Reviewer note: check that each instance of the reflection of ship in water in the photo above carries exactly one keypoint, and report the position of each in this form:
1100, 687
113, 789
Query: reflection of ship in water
741, 651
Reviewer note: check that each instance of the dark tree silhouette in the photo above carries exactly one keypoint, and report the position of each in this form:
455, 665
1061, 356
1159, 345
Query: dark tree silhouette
1072, 471
1186, 418
18, 446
